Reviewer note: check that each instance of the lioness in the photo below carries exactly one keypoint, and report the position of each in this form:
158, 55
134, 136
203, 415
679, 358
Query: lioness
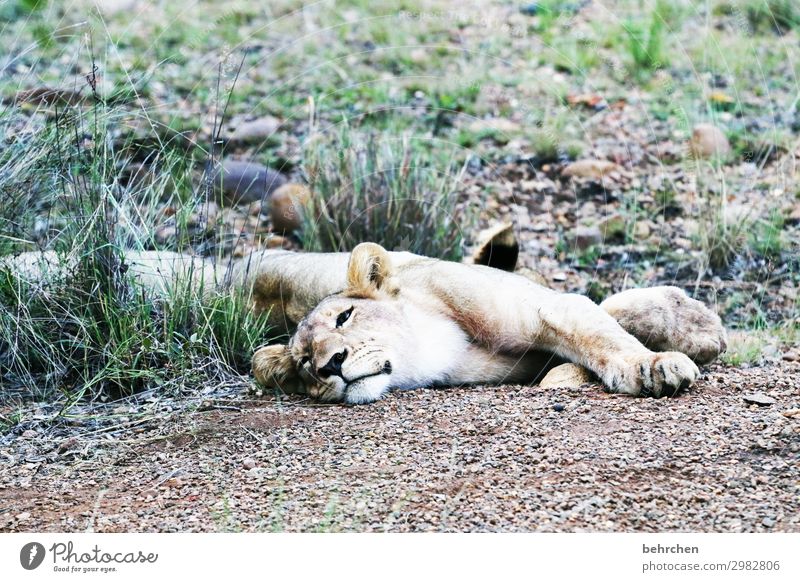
365, 322
374, 320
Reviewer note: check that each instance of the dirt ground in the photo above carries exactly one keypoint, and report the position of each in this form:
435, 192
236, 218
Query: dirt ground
511, 458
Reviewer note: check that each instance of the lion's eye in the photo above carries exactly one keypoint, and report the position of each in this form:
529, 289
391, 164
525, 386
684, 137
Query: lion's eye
304, 360
343, 316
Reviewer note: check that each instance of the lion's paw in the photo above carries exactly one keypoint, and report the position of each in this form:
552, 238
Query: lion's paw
655, 374
666, 319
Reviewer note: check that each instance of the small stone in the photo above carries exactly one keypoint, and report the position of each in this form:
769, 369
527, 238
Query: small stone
165, 234
67, 444
24, 516
287, 207
242, 182
558, 407
642, 230
791, 413
612, 226
114, 7
29, 434
593, 169
559, 277
768, 522
494, 124
566, 376
249, 463
709, 141
278, 242
257, 131
587, 236
758, 398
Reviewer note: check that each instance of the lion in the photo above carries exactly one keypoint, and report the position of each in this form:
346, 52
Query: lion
364, 323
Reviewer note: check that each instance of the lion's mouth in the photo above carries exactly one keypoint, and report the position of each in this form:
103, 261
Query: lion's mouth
386, 369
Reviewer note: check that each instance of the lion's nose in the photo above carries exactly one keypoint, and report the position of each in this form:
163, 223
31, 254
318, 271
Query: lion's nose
334, 365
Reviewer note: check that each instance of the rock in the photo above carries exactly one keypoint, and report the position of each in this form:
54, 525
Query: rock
495, 124
566, 376
758, 398
204, 218
585, 237
257, 131
165, 234
641, 230
49, 96
791, 413
287, 206
249, 463
768, 522
278, 242
112, 7
709, 141
794, 214
559, 277
29, 434
559, 407
68, 444
533, 275
243, 182
592, 169
24, 516
612, 226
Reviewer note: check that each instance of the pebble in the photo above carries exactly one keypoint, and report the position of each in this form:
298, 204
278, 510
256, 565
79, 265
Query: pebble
243, 182
593, 169
287, 207
256, 131
709, 141
758, 398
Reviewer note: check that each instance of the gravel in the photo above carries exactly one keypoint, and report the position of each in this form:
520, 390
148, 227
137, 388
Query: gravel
510, 458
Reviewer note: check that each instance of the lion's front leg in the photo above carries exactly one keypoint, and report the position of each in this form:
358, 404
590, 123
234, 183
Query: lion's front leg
574, 327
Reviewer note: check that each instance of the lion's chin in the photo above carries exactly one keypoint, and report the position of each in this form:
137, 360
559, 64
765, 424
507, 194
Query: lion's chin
367, 389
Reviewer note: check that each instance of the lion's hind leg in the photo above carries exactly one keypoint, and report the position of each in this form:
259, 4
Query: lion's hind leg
666, 319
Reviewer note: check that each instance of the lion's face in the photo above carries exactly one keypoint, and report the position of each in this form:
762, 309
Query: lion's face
343, 350
348, 347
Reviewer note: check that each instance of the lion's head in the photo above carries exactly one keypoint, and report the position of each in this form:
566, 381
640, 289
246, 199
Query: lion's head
351, 346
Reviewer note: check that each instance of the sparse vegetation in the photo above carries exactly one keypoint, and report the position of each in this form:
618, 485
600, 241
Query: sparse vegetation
84, 328
411, 81
776, 15
646, 44
392, 191
721, 234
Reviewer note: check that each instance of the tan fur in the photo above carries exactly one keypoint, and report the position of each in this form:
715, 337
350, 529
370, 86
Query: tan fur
366, 322
417, 321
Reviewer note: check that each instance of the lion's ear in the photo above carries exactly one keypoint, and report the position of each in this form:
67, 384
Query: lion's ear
370, 271
497, 247
273, 367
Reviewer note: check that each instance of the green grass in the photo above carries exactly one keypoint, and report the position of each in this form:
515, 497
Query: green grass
393, 191
86, 328
772, 15
767, 238
646, 42
721, 235
749, 347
